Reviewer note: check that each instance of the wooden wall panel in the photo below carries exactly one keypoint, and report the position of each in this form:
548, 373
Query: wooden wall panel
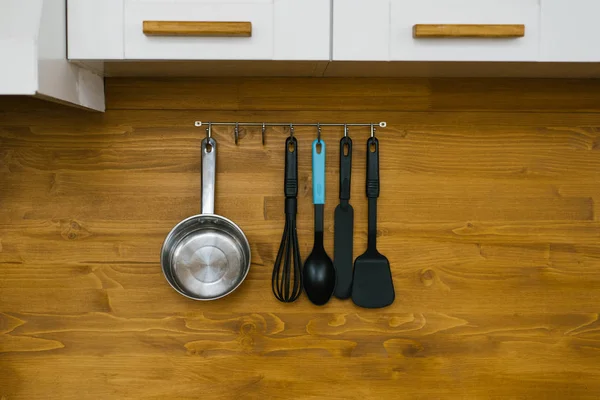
343, 94
488, 215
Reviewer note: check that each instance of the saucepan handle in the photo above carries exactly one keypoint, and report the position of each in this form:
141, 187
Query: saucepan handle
209, 166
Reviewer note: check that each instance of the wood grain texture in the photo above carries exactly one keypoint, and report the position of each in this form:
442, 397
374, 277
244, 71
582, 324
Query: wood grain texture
356, 94
488, 215
197, 28
468, 31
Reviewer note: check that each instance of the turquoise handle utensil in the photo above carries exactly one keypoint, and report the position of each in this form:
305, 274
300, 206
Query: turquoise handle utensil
318, 172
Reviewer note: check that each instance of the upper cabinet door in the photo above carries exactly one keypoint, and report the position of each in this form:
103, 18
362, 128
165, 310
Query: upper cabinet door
361, 30
95, 29
494, 33
172, 37
302, 30
199, 29
570, 30
436, 30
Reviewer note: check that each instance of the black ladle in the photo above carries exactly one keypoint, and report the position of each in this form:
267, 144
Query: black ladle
318, 273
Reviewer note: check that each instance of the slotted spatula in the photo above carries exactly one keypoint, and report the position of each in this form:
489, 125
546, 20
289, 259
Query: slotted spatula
372, 285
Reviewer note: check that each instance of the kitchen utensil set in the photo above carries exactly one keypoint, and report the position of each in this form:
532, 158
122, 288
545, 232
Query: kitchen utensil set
207, 256
369, 283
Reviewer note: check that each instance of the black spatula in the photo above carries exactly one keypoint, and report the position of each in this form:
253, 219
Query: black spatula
343, 225
372, 286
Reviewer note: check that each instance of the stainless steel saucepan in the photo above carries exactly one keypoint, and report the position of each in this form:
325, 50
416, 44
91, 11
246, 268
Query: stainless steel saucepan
206, 256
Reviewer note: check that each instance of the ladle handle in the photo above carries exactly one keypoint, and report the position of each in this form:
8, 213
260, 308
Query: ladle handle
318, 171
209, 158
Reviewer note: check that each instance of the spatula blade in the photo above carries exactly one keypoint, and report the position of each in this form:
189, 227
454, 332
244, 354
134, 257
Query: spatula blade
342, 250
373, 286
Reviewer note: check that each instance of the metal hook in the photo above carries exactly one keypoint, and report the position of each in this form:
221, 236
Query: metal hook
318, 132
345, 130
263, 133
373, 130
236, 132
291, 130
208, 130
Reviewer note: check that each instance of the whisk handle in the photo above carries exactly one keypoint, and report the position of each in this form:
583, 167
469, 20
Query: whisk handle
291, 168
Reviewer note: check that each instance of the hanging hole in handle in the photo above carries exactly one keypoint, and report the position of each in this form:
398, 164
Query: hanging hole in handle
372, 147
291, 147
209, 148
319, 148
346, 150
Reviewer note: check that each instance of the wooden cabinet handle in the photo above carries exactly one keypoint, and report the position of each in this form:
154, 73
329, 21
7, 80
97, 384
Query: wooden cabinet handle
468, 31
198, 28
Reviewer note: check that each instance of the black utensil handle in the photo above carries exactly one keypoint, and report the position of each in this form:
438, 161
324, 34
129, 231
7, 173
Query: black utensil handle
372, 232
372, 168
372, 189
291, 167
319, 218
345, 167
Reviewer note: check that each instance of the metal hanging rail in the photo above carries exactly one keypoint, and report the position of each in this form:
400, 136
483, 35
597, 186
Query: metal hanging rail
381, 124
317, 125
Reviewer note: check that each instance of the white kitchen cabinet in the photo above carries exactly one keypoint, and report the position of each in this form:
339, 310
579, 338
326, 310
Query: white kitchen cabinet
358, 30
33, 44
281, 30
95, 29
386, 34
302, 30
259, 46
361, 30
406, 13
570, 30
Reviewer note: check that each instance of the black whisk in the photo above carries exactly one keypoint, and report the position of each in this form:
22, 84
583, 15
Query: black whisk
287, 282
